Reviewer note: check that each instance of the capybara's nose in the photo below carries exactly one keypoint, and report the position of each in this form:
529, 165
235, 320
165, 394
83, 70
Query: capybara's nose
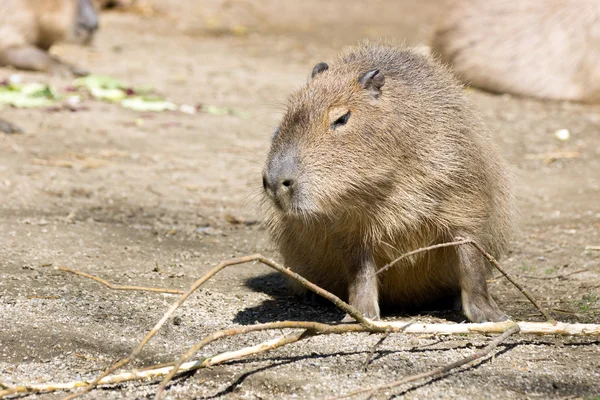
278, 185
280, 178
286, 185
87, 17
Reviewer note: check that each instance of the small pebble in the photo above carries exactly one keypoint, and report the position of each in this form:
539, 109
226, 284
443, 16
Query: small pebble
562, 135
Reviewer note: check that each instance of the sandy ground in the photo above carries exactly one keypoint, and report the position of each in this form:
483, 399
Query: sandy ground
148, 203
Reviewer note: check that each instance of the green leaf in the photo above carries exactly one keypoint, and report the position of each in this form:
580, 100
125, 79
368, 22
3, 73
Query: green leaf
34, 89
98, 81
21, 100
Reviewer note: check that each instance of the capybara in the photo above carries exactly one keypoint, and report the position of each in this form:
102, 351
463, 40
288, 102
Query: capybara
9, 127
378, 154
541, 48
28, 28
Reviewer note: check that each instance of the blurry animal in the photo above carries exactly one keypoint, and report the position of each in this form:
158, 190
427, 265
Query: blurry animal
542, 48
28, 28
378, 154
8, 127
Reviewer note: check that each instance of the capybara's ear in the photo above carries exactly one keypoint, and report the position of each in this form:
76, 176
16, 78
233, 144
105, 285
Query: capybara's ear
320, 67
373, 81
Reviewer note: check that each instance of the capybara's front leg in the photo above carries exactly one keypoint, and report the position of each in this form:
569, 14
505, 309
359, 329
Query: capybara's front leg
363, 290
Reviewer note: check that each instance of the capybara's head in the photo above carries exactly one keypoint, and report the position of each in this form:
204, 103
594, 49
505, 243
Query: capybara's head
340, 143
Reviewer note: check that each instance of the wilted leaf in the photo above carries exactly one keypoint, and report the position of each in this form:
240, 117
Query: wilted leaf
108, 94
148, 104
215, 110
188, 109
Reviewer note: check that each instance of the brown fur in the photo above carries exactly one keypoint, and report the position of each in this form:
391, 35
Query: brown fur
542, 48
28, 28
413, 166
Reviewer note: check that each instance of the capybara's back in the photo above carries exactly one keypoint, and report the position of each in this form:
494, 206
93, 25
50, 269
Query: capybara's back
542, 48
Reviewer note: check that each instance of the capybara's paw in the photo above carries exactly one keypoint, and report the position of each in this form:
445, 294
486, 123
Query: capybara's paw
370, 309
481, 309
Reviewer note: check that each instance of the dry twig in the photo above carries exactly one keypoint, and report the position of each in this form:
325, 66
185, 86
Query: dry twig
389, 265
438, 371
373, 349
119, 287
553, 156
560, 277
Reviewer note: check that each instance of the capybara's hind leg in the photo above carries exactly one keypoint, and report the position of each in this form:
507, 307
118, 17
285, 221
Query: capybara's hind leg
477, 303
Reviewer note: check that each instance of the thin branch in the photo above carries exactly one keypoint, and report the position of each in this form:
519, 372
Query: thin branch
259, 348
119, 287
527, 328
478, 355
372, 351
560, 277
223, 264
421, 250
549, 157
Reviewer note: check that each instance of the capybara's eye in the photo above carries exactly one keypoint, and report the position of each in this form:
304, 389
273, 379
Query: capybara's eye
341, 120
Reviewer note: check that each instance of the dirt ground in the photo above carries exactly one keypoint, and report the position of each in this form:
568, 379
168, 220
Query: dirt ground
148, 199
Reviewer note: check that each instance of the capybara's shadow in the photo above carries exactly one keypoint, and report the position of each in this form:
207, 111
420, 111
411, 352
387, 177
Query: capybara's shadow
288, 306
285, 305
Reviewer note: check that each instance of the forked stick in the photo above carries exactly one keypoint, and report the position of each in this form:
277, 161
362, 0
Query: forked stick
234, 261
157, 370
